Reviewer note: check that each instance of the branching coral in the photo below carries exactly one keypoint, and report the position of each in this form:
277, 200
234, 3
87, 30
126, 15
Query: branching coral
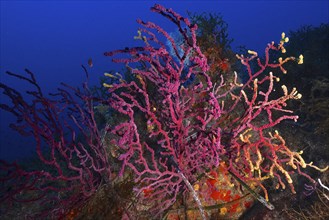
173, 127
177, 123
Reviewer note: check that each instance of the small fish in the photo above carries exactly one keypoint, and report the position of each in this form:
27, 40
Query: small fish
224, 65
90, 62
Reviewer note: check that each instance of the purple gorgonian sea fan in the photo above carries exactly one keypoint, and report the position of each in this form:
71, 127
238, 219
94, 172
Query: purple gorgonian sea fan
180, 121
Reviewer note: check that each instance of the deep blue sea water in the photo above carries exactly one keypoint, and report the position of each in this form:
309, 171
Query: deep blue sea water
53, 38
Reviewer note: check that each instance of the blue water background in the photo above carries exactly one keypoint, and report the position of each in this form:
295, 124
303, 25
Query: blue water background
53, 38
